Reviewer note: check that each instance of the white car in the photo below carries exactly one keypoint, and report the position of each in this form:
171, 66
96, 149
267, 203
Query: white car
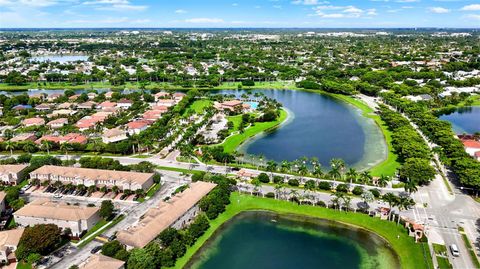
57, 196
454, 250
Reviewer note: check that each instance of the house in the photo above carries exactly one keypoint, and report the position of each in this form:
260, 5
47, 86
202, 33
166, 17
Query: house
23, 137
106, 104
472, 147
232, 105
108, 95
12, 174
87, 105
135, 127
33, 122
124, 103
161, 95
152, 115
91, 95
71, 138
58, 123
54, 96
8, 244
43, 107
101, 261
244, 174
65, 105
63, 112
176, 212
94, 177
114, 135
178, 96
43, 211
166, 102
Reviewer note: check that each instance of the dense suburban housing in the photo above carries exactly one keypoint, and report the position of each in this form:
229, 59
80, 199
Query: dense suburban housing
104, 262
94, 177
176, 212
8, 244
43, 211
12, 174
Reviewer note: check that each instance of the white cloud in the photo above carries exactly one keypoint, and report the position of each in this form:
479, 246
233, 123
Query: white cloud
204, 20
32, 3
473, 16
180, 11
309, 2
115, 5
439, 10
473, 7
343, 12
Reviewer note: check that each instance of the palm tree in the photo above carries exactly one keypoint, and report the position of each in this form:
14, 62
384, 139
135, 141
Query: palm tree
285, 166
278, 190
404, 203
115, 189
347, 202
410, 186
367, 197
352, 175
365, 177
334, 173
10, 146
339, 164
317, 171
91, 189
271, 166
256, 185
391, 200
65, 147
383, 181
337, 199
293, 194
46, 145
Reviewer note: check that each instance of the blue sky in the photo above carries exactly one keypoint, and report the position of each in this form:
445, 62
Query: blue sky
239, 13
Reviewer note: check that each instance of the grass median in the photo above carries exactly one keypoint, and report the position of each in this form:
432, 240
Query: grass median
410, 253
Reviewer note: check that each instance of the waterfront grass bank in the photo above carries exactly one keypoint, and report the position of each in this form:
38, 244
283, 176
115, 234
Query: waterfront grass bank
411, 254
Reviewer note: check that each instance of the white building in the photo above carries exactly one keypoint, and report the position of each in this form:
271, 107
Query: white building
42, 211
114, 135
8, 244
94, 177
11, 174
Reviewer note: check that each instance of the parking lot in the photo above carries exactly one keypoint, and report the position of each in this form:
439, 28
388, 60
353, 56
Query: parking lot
75, 195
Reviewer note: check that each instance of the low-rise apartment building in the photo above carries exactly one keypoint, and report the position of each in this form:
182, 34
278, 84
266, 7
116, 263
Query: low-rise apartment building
12, 174
8, 244
94, 177
176, 212
101, 261
43, 211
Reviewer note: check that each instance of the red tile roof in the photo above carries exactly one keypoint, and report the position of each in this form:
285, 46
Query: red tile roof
471, 144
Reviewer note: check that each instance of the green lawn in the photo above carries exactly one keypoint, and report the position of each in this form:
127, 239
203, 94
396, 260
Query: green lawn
411, 254
469, 247
237, 119
97, 229
390, 165
199, 105
441, 256
153, 190
23, 265
232, 142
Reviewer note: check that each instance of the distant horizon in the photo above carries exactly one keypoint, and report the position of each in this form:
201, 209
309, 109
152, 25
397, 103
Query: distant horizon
239, 13
240, 28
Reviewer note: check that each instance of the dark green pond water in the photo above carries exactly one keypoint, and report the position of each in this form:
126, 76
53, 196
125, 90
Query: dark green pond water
266, 240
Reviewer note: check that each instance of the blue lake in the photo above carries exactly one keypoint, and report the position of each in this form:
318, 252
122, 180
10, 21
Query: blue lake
59, 58
319, 126
464, 120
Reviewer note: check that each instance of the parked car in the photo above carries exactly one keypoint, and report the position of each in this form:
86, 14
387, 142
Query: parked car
96, 249
57, 195
454, 250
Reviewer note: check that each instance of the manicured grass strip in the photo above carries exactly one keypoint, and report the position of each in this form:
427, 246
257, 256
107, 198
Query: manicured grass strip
100, 230
95, 228
153, 190
469, 247
232, 142
411, 254
237, 119
442, 256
